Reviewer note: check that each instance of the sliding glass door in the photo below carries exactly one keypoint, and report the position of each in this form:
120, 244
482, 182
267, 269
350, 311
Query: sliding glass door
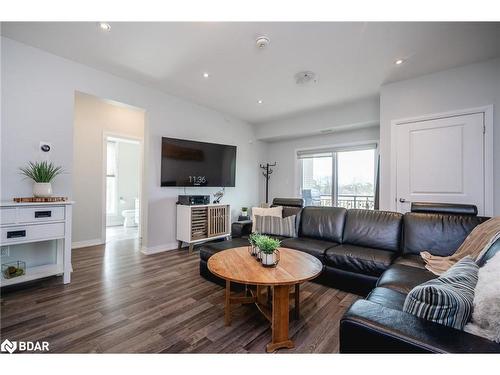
342, 177
316, 185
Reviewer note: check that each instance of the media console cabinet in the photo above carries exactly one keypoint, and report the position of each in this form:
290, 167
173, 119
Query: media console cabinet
199, 223
38, 234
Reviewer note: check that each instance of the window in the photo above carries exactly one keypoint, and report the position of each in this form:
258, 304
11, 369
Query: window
111, 179
342, 177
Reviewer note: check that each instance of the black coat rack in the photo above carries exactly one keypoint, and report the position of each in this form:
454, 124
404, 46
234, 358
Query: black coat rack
267, 174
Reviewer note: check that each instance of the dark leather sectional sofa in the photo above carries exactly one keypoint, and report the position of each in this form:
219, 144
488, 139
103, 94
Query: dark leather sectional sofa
376, 254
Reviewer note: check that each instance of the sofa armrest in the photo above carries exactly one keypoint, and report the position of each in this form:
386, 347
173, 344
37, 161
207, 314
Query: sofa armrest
241, 228
368, 327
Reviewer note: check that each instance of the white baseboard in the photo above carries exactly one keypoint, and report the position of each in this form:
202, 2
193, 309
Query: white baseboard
94, 242
159, 248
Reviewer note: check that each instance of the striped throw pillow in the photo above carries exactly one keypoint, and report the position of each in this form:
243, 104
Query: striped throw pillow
276, 226
448, 299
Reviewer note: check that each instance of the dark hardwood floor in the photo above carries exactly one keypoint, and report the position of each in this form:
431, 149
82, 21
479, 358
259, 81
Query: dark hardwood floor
120, 300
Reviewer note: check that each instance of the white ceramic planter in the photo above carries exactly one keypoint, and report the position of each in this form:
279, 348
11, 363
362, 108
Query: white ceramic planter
268, 259
42, 189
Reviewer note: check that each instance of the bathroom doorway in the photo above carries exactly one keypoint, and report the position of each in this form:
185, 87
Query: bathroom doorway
122, 187
97, 123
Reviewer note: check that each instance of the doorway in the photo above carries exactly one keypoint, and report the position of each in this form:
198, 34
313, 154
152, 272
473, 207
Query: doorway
96, 120
122, 187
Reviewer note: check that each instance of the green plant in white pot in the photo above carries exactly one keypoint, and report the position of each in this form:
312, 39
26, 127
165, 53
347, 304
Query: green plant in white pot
252, 239
42, 173
269, 252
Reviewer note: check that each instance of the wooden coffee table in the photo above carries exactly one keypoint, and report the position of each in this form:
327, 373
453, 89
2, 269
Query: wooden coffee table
295, 267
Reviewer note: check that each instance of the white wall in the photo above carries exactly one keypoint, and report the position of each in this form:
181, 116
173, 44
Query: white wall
38, 91
93, 117
345, 116
464, 87
284, 178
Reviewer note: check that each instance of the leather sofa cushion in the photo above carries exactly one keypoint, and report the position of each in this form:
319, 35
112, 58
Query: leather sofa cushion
322, 223
210, 248
439, 234
309, 245
404, 278
387, 297
366, 260
411, 260
376, 229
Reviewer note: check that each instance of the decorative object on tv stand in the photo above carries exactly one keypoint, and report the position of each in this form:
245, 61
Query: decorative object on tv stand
269, 253
218, 196
42, 173
267, 174
13, 269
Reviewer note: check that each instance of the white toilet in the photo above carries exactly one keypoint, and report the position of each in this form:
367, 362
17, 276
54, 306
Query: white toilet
131, 217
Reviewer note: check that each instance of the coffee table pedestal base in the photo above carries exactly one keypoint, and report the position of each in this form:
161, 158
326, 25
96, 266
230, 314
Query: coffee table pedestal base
273, 346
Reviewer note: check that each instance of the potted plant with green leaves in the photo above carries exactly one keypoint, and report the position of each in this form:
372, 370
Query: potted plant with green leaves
244, 211
252, 248
42, 173
269, 252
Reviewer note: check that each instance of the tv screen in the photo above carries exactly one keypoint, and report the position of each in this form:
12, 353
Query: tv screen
190, 163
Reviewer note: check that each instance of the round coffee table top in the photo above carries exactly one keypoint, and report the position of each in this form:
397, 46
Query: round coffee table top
239, 266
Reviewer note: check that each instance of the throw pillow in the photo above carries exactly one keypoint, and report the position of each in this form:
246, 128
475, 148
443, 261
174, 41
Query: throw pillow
273, 211
276, 226
486, 315
448, 299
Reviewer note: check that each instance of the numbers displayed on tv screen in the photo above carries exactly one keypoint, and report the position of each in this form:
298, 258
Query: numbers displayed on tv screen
197, 180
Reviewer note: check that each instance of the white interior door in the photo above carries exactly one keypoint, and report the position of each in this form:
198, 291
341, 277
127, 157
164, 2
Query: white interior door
441, 160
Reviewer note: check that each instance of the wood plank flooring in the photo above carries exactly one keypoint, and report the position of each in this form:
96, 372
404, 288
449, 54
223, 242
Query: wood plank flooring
121, 301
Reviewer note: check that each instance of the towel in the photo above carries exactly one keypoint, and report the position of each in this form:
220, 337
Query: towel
477, 243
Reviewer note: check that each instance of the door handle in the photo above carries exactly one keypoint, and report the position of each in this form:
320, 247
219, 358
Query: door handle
402, 200
16, 234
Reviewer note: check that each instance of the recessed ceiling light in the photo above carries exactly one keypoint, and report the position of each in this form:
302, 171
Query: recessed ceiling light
399, 61
206, 75
104, 26
260, 101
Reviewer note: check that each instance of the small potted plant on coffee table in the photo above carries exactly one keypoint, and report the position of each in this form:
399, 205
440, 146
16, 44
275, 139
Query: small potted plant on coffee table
269, 252
252, 247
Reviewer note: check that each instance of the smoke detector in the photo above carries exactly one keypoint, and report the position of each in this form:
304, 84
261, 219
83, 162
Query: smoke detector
262, 42
306, 77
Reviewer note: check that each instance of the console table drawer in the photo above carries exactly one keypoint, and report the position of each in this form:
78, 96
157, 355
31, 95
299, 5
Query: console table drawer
29, 233
8, 216
40, 214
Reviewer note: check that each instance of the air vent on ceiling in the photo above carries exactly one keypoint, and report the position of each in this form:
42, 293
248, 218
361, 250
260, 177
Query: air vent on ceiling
306, 77
326, 131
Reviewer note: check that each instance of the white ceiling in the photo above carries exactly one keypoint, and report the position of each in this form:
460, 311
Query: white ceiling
352, 59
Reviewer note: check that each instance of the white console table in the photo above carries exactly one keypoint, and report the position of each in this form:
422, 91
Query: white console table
32, 223
199, 223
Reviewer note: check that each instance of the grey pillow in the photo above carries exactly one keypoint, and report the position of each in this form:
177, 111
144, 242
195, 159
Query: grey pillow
448, 299
276, 226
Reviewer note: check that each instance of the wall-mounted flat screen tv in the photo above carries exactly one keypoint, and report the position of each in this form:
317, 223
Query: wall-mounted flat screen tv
191, 163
